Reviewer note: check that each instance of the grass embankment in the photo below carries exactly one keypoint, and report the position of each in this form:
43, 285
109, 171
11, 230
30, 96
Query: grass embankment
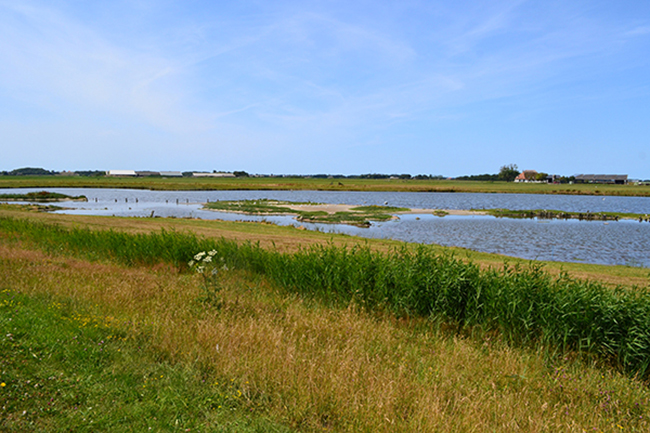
557, 214
289, 183
349, 366
63, 368
524, 304
359, 216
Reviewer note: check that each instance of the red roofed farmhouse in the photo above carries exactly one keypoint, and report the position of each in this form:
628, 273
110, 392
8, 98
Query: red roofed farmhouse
527, 176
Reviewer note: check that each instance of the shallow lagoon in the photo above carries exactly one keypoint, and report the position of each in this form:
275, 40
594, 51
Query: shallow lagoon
615, 242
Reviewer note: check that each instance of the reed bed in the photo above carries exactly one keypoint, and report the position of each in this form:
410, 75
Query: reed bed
523, 304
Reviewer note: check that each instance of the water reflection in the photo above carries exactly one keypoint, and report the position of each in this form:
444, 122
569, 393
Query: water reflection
622, 242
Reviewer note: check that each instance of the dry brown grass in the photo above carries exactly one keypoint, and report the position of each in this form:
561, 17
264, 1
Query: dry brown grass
318, 368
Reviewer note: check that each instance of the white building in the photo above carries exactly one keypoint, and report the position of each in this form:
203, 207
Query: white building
122, 173
221, 174
171, 174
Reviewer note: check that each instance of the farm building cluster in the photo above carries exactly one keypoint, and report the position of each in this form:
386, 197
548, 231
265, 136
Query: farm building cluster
133, 173
535, 177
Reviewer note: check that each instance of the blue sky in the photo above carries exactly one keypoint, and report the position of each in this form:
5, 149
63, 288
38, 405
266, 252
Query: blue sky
349, 87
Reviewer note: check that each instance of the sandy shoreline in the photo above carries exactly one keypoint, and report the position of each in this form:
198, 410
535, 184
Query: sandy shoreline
445, 211
334, 208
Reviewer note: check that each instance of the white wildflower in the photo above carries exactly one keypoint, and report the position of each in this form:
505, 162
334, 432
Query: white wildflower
208, 259
200, 269
212, 253
191, 263
215, 271
199, 255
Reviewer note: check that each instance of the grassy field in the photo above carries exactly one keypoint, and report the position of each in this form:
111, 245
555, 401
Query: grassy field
288, 347
282, 183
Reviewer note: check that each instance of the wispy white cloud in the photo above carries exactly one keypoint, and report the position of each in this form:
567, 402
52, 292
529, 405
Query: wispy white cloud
46, 52
639, 31
302, 66
471, 26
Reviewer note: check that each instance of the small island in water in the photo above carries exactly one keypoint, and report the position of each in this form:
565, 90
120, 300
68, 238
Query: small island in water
360, 216
310, 212
41, 196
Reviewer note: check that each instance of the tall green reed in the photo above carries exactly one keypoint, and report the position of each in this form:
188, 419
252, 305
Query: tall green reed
525, 305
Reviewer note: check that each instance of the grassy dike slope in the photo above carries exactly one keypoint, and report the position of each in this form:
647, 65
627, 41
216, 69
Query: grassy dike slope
288, 183
267, 359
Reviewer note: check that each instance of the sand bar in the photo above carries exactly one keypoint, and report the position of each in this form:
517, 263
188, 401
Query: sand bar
333, 208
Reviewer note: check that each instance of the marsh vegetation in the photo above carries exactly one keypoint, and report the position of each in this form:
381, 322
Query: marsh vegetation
557, 214
309, 212
41, 196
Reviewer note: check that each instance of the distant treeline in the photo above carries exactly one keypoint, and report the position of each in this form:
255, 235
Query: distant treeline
373, 176
482, 177
32, 171
507, 173
29, 171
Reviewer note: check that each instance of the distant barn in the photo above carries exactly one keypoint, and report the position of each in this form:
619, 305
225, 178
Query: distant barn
147, 173
171, 174
618, 179
220, 174
122, 173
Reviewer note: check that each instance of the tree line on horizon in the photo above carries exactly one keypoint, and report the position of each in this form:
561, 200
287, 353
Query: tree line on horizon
33, 171
507, 173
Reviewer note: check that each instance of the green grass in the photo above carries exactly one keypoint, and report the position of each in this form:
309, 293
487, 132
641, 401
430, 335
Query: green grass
556, 214
524, 304
262, 206
288, 183
63, 369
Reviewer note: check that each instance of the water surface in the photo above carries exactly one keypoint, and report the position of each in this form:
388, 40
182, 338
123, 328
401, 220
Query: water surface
615, 242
